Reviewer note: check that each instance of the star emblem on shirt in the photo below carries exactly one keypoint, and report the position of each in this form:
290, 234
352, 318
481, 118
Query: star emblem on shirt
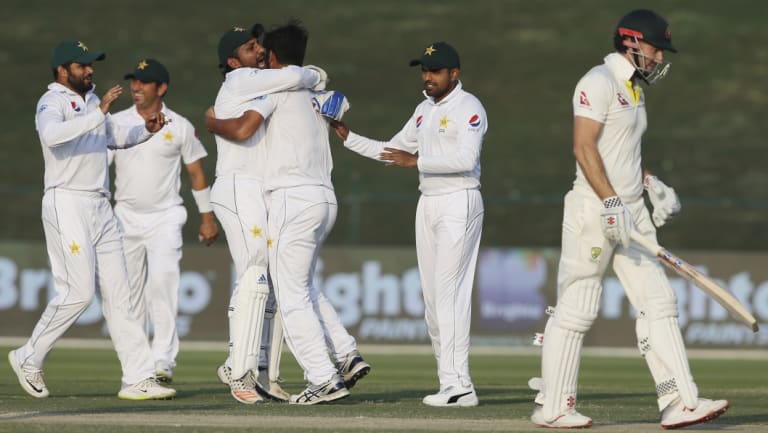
168, 136
430, 49
142, 64
74, 248
82, 46
256, 230
444, 122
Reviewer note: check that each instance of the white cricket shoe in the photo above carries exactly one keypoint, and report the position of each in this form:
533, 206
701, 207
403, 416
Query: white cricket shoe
269, 388
147, 389
676, 415
163, 372
353, 368
30, 379
242, 389
568, 419
453, 396
326, 392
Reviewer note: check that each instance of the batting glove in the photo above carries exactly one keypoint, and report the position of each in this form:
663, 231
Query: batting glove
331, 104
616, 221
663, 198
323, 77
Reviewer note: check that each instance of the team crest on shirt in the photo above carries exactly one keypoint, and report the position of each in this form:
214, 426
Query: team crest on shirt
168, 136
595, 253
622, 101
583, 100
75, 106
418, 120
475, 121
74, 248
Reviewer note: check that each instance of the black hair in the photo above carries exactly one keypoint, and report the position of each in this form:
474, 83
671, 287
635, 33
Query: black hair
56, 70
288, 42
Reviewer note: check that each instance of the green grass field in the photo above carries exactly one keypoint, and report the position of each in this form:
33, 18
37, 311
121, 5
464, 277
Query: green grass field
616, 392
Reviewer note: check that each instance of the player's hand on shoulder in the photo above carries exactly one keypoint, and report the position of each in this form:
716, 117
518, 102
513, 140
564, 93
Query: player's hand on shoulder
663, 198
616, 221
331, 104
323, 77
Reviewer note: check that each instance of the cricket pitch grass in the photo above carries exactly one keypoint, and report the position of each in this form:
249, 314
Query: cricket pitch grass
617, 392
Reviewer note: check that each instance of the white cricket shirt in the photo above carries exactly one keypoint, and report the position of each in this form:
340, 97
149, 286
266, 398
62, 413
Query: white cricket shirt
147, 177
75, 135
603, 95
240, 87
298, 149
448, 136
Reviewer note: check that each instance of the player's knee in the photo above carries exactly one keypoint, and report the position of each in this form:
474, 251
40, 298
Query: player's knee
577, 307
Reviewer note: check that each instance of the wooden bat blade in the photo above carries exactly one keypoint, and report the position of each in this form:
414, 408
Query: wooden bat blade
714, 290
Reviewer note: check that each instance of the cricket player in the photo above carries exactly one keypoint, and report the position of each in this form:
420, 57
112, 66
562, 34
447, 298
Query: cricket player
601, 209
238, 200
447, 131
81, 232
151, 211
302, 212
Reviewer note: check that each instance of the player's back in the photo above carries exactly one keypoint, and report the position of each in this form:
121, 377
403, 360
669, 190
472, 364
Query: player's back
298, 149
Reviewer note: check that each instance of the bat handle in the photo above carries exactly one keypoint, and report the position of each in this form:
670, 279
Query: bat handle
645, 242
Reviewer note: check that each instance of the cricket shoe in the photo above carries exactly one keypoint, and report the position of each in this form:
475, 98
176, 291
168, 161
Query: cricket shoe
163, 372
353, 368
568, 419
147, 389
326, 392
676, 415
30, 379
270, 389
453, 396
242, 389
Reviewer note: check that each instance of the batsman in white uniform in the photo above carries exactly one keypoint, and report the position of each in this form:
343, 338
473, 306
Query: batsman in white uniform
238, 200
447, 131
604, 206
81, 232
151, 211
302, 212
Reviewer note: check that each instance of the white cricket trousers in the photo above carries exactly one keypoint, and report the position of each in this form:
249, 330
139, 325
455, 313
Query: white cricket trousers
84, 242
240, 206
300, 219
152, 243
448, 229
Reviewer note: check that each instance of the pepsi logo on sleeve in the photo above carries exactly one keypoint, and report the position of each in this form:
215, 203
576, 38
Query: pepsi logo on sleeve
418, 120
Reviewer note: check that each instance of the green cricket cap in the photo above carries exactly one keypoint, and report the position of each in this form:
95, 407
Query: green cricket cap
76, 52
437, 56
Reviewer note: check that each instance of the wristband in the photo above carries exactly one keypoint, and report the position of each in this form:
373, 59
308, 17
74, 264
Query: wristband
203, 200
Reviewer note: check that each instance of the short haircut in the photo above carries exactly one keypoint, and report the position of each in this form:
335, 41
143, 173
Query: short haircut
288, 42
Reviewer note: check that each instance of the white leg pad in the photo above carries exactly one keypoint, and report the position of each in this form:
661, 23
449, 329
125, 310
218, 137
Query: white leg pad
247, 320
563, 337
666, 344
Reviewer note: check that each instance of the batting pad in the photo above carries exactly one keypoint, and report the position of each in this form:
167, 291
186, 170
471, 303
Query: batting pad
563, 337
248, 319
667, 344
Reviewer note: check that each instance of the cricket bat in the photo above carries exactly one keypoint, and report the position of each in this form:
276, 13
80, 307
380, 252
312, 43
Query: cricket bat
684, 269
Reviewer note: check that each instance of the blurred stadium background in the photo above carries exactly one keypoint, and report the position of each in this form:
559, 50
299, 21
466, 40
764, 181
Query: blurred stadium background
521, 58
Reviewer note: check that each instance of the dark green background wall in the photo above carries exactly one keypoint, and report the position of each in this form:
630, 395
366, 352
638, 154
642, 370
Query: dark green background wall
521, 58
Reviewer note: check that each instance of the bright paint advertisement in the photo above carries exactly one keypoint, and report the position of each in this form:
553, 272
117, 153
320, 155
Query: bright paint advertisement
377, 294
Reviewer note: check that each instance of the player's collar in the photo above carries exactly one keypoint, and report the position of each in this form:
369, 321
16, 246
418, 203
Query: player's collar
620, 66
449, 97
